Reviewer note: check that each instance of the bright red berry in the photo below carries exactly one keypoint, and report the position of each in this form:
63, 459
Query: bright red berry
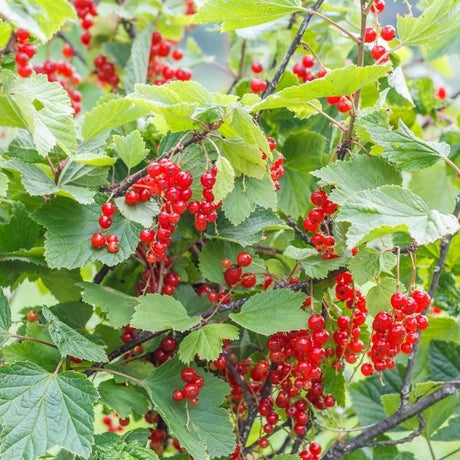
32, 316
257, 67
388, 33
98, 240
178, 395
370, 35
188, 374
244, 259
108, 209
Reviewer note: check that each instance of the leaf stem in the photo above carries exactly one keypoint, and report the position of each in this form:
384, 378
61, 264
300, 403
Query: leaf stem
452, 165
32, 339
112, 371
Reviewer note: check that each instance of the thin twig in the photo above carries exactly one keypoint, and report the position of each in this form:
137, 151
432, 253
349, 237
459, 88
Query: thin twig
410, 437
32, 339
113, 371
240, 67
300, 234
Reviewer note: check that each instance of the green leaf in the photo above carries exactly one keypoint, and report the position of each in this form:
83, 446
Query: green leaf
5, 319
236, 14
316, 267
39, 410
388, 209
70, 342
41, 17
21, 232
142, 213
437, 22
366, 394
338, 82
122, 399
38, 183
444, 360
244, 158
138, 63
205, 430
225, 179
247, 194
451, 432
281, 310
441, 329
45, 111
403, 148
303, 152
252, 229
111, 114
111, 446
70, 227
369, 263
334, 384
118, 306
359, 173
3, 184
378, 297
206, 342
131, 148
156, 312
74, 314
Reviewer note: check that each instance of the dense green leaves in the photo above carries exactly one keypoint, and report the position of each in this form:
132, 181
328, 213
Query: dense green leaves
388, 209
206, 342
39, 410
157, 312
444, 360
205, 430
110, 445
369, 263
131, 148
280, 309
5, 318
236, 14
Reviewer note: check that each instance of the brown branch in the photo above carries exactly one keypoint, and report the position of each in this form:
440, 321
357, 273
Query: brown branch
291, 50
10, 45
340, 451
301, 235
101, 274
443, 250
240, 73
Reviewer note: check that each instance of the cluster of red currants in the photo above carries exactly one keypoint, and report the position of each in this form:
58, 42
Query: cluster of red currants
304, 69
159, 438
347, 335
66, 75
158, 277
114, 423
192, 386
234, 275
165, 350
159, 71
86, 10
343, 103
24, 53
396, 332
258, 85
166, 180
324, 207
99, 240
314, 449
105, 71
205, 210
214, 294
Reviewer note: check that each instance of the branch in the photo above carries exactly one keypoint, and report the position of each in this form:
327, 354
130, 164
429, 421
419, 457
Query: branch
240, 67
341, 450
197, 136
302, 236
10, 45
101, 274
443, 250
410, 437
292, 48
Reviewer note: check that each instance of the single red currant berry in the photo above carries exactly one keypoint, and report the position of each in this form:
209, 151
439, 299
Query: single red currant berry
422, 298
378, 6
244, 259
177, 55
257, 67
22, 35
67, 51
132, 197
188, 374
107, 420
343, 105
370, 35
263, 443
98, 240
316, 322
388, 33
248, 280
441, 93
258, 86
191, 391
25, 71
332, 99
367, 369
178, 395
232, 275
108, 209
105, 221
315, 448
113, 246
308, 61
271, 143
377, 52
32, 316
147, 235
422, 322
111, 238
398, 300
226, 263
318, 197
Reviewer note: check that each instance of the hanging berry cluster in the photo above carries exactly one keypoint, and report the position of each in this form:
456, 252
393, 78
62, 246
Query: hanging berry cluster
192, 386
114, 423
304, 69
25, 52
159, 71
396, 332
86, 10
234, 275
158, 277
99, 240
205, 210
323, 242
66, 75
159, 437
215, 293
105, 71
258, 85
